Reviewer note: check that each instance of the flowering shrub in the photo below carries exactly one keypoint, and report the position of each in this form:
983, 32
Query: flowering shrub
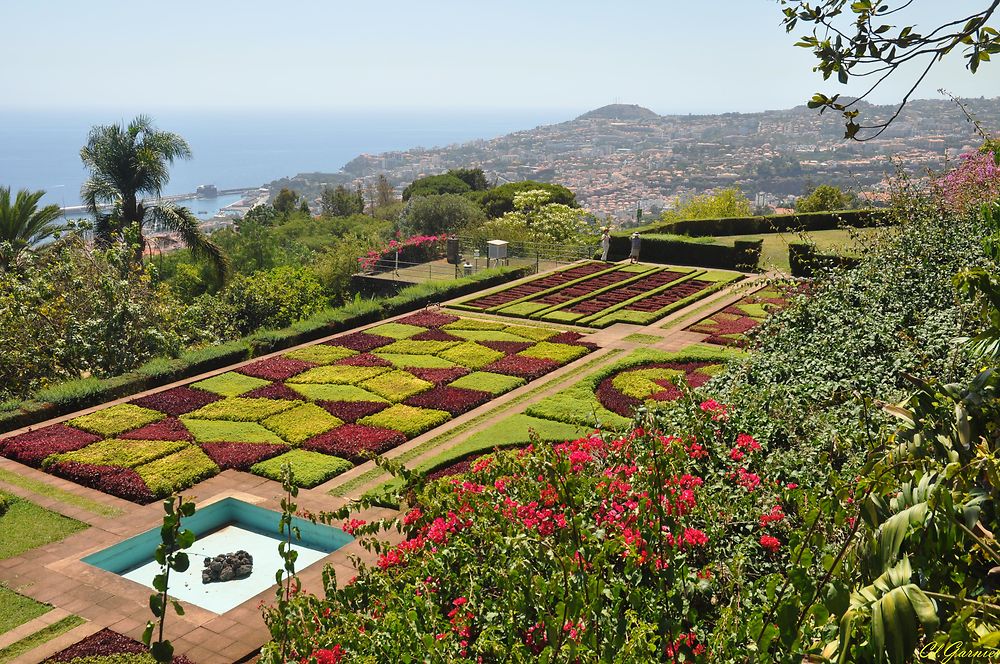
416, 249
574, 552
974, 181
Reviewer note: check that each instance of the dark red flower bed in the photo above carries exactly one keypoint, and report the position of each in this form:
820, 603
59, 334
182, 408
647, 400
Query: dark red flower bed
168, 429
103, 644
565, 338
361, 341
275, 368
32, 447
456, 468
455, 400
585, 288
622, 404
535, 286
274, 391
240, 456
528, 368
115, 480
177, 401
351, 441
364, 360
438, 376
436, 335
509, 347
669, 296
729, 321
352, 411
616, 296
428, 319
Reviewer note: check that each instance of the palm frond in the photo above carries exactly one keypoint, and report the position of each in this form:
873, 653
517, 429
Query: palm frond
22, 224
182, 221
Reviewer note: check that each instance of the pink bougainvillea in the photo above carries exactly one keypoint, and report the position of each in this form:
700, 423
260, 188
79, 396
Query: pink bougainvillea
976, 180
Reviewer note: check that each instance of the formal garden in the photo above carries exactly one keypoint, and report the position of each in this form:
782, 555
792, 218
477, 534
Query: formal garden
598, 294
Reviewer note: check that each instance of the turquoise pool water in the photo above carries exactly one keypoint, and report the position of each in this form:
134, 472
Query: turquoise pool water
223, 527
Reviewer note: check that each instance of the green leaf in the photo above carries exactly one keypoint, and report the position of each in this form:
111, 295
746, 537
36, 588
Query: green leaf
185, 538
147, 634
156, 605
162, 651
160, 583
177, 607
181, 562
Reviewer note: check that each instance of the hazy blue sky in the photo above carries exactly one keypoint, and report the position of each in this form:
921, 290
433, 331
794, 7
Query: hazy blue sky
672, 56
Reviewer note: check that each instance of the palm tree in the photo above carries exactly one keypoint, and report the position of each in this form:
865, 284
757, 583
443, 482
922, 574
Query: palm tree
129, 162
22, 224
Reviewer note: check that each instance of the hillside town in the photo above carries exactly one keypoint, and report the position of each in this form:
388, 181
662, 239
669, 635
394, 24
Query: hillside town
621, 157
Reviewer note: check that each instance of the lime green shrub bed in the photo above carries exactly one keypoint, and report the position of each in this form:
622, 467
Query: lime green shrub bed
309, 468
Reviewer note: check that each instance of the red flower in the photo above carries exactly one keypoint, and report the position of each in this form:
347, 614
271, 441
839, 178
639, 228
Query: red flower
333, 655
772, 544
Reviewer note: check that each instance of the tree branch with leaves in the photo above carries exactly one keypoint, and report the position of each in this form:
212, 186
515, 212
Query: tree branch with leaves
862, 39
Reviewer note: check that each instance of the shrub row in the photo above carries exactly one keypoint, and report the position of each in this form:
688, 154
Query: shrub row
777, 223
73, 395
805, 261
742, 255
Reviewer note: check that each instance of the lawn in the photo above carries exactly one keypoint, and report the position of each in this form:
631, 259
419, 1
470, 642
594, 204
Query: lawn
774, 252
25, 526
322, 407
15, 609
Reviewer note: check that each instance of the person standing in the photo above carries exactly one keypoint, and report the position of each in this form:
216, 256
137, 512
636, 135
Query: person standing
605, 244
636, 242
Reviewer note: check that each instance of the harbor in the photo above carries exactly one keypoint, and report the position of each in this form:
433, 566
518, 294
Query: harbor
208, 203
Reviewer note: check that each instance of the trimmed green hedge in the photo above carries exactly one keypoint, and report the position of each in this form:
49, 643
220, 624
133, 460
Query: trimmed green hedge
742, 255
805, 261
72, 395
776, 223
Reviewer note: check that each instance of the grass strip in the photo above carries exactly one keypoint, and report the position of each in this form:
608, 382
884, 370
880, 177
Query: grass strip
25, 526
18, 648
16, 609
43, 489
447, 436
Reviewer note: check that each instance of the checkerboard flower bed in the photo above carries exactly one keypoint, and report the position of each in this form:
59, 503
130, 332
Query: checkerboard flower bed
275, 368
455, 400
353, 441
107, 647
666, 298
729, 327
176, 401
624, 391
535, 286
334, 401
241, 456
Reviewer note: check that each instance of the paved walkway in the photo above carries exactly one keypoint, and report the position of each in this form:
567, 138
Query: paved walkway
55, 574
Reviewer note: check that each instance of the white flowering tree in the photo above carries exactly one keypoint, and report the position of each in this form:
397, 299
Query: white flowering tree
538, 220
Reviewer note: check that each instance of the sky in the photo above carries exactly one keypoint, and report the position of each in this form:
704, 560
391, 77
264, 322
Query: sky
668, 55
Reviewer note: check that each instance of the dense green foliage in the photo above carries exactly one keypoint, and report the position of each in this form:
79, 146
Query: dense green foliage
23, 224
436, 215
498, 201
826, 197
436, 184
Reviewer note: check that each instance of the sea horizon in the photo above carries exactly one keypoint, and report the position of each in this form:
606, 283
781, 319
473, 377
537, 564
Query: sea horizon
40, 150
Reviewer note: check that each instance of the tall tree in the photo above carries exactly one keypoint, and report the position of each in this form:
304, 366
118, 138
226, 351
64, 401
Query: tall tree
342, 202
22, 224
127, 163
385, 194
285, 201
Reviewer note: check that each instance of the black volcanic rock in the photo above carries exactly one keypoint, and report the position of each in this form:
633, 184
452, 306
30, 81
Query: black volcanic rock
227, 566
620, 112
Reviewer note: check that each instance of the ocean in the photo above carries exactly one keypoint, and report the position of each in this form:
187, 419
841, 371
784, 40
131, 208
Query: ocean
41, 150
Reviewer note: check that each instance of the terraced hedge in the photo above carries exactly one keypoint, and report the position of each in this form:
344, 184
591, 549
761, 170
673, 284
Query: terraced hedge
321, 408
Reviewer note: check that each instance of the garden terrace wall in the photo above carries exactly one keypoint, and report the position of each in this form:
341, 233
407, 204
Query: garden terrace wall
778, 223
74, 395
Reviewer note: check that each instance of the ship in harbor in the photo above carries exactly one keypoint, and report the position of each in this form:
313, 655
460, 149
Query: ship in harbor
207, 191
